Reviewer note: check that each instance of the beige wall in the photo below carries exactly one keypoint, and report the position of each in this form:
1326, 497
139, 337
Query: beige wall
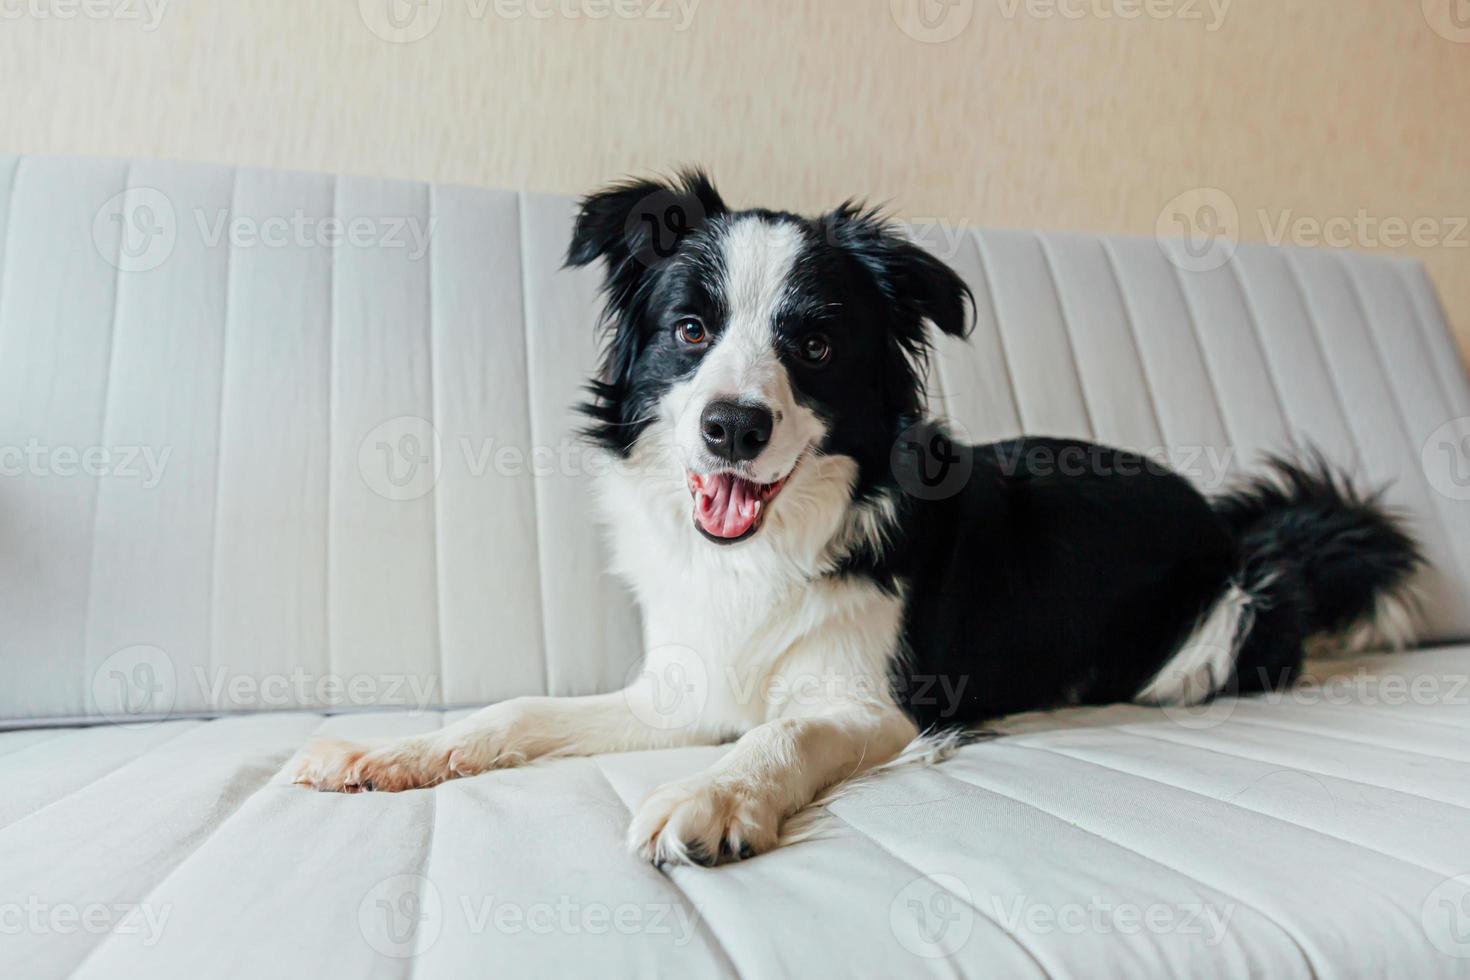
1030, 116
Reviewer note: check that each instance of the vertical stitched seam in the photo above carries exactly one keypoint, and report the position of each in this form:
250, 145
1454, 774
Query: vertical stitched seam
531, 430
429, 838
219, 441
192, 851
5, 253
1051, 274
1000, 335
1204, 357
102, 438
1161, 862
1332, 382
974, 906
1148, 388
331, 394
716, 943
430, 256
5, 245
1355, 291
1420, 335
1254, 320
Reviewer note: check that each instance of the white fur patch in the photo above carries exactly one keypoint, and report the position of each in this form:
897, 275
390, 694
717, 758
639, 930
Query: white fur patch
1205, 660
744, 365
760, 612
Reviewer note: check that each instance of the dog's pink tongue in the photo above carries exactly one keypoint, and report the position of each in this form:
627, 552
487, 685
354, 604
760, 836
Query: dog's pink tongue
725, 505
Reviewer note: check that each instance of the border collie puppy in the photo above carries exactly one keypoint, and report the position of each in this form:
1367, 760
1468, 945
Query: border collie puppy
814, 583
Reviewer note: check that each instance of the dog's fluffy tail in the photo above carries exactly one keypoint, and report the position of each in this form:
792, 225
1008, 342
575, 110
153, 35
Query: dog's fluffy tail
1319, 561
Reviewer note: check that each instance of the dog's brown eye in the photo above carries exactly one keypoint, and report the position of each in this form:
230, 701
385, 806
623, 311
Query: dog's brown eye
691, 332
815, 349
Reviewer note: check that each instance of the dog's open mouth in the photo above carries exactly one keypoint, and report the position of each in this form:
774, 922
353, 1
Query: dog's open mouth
729, 508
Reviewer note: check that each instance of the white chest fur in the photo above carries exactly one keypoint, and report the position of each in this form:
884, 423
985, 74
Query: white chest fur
753, 631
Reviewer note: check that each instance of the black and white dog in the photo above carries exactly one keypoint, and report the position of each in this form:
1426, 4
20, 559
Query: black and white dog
762, 387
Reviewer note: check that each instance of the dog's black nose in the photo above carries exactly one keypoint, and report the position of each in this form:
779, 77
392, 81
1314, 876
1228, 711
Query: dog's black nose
734, 431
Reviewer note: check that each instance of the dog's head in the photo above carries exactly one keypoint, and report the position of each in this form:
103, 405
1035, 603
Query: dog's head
751, 342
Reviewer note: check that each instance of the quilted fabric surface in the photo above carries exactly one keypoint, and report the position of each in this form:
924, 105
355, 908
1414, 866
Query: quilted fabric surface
1316, 835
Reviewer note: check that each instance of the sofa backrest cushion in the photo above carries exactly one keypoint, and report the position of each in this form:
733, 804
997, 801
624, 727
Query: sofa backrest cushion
276, 440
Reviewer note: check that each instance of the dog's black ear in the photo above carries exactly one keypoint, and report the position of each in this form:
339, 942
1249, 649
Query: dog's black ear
917, 285
638, 225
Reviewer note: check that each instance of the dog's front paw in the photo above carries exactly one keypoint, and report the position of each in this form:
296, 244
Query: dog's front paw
481, 743
335, 766
704, 821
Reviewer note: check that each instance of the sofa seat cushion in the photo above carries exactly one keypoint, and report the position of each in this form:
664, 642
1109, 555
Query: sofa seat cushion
1315, 834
